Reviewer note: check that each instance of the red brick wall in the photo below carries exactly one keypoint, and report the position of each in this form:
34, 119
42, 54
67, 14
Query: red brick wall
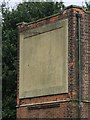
67, 106
85, 53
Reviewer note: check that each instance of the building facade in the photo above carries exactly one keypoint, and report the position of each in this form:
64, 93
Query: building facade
56, 44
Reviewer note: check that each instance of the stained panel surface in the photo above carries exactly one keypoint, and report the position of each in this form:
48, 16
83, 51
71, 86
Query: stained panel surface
43, 68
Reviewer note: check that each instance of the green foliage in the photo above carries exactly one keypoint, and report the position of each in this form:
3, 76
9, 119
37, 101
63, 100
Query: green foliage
9, 38
26, 12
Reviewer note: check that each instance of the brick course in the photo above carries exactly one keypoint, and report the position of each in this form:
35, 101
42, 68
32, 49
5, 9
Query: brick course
68, 107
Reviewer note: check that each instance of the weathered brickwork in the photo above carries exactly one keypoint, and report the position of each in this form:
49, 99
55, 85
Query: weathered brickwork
85, 54
68, 106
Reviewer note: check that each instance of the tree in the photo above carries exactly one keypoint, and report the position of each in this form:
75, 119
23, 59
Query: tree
87, 6
27, 12
9, 37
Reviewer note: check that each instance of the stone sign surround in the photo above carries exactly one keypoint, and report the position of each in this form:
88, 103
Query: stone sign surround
44, 60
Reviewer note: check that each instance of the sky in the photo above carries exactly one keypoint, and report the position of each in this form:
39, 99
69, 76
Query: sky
13, 3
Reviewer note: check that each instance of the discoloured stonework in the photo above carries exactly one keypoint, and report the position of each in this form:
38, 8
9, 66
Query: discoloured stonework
44, 60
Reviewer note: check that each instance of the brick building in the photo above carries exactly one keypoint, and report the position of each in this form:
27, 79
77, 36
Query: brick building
72, 99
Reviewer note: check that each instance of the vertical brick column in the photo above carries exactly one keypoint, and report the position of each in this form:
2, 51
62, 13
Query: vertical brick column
72, 63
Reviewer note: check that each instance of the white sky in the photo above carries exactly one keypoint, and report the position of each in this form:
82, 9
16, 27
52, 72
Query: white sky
12, 3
